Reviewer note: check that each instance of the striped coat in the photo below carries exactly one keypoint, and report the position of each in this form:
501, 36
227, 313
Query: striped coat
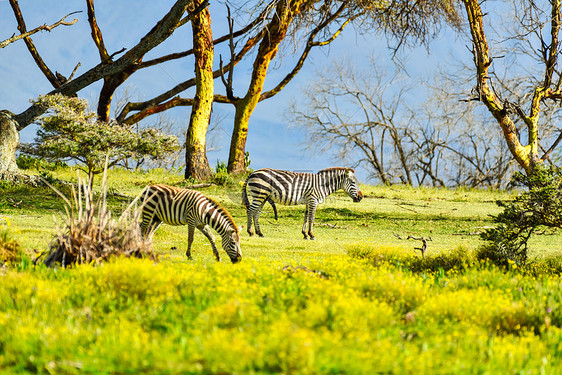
291, 188
177, 206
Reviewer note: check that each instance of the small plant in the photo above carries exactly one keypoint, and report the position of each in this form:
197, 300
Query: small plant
247, 161
221, 176
10, 249
540, 205
91, 234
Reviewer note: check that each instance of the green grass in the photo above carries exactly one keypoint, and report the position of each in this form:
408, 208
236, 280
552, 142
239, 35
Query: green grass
357, 300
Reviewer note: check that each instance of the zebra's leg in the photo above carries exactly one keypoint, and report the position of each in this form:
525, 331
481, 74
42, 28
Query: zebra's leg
311, 217
309, 214
304, 231
190, 235
250, 216
257, 217
207, 232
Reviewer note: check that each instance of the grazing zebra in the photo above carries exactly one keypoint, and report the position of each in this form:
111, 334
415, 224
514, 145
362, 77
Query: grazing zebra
176, 206
290, 188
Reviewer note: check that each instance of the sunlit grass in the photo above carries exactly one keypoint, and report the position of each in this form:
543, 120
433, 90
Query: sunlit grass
359, 299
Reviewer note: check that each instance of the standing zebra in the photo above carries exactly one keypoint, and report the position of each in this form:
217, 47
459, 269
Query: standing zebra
176, 206
290, 188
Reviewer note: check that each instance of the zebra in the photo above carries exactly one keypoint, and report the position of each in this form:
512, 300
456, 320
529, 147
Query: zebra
291, 188
177, 206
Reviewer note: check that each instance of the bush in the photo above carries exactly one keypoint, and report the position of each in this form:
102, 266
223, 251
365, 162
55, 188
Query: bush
39, 164
221, 176
10, 250
70, 132
540, 205
457, 259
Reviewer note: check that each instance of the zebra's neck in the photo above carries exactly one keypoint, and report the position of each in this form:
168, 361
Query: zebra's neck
331, 181
219, 219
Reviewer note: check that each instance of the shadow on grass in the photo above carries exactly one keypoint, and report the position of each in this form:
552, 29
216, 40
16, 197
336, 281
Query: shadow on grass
42, 199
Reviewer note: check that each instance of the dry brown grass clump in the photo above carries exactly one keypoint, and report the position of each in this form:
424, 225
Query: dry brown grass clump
91, 235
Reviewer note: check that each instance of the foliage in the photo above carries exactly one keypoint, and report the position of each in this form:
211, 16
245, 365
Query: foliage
540, 205
73, 133
10, 250
257, 317
39, 164
221, 176
91, 235
458, 259
355, 301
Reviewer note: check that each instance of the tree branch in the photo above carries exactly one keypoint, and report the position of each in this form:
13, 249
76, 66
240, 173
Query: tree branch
179, 55
44, 27
55, 82
554, 145
140, 106
309, 45
163, 29
96, 32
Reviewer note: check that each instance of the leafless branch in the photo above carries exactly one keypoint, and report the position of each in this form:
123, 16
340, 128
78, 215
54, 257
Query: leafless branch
44, 27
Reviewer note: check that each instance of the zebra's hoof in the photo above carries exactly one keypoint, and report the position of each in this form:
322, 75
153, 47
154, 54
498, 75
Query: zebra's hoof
260, 234
189, 257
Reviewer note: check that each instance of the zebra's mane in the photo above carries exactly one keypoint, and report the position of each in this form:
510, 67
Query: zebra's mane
336, 169
223, 211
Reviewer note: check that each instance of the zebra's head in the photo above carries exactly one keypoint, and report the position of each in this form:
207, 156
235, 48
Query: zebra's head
351, 186
231, 244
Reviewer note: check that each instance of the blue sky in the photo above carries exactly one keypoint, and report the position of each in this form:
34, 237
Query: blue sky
272, 141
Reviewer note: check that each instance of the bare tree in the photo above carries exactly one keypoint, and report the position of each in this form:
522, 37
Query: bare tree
519, 75
370, 117
361, 114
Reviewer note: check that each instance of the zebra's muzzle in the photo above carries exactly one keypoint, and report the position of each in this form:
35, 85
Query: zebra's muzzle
358, 197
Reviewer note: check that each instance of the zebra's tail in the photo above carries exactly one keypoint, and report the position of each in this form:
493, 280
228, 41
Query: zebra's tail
272, 203
245, 200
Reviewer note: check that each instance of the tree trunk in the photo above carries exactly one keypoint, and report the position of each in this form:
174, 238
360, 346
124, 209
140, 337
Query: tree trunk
239, 135
196, 163
277, 29
9, 140
527, 156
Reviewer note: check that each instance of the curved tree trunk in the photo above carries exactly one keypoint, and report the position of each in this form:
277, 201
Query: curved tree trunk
277, 29
196, 163
9, 140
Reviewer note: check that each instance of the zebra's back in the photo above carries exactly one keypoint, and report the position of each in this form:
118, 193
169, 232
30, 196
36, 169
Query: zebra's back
176, 206
285, 187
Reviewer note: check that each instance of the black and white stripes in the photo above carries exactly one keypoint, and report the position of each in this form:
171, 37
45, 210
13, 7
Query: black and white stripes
290, 188
176, 206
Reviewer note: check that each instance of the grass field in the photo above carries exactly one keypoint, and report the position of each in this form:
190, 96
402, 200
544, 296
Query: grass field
357, 300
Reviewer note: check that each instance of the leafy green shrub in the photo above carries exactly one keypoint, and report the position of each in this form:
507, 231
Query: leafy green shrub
540, 205
221, 176
457, 259
39, 164
70, 132
10, 250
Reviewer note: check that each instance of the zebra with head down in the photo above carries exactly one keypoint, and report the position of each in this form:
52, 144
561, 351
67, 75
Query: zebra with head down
176, 206
291, 188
